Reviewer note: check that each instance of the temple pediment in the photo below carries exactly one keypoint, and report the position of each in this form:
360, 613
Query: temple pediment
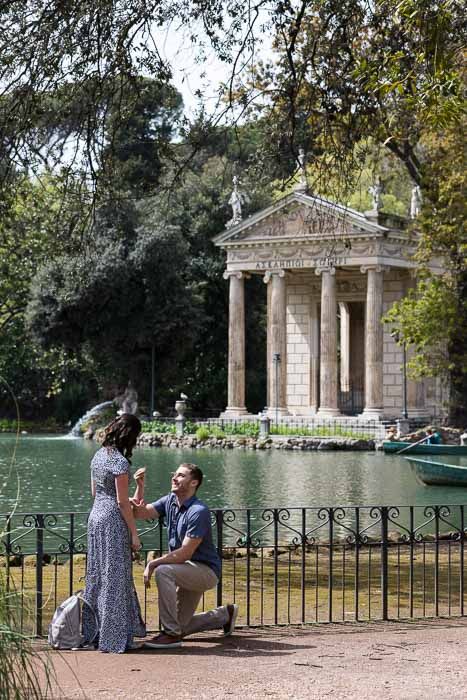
301, 231
300, 217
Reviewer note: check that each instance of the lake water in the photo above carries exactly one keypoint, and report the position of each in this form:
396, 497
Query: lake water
51, 474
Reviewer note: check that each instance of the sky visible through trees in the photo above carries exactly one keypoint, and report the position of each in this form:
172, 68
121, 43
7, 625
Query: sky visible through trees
89, 116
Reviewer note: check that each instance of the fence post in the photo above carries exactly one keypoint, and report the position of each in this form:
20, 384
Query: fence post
264, 427
219, 514
39, 572
330, 563
180, 407
384, 562
8, 551
180, 426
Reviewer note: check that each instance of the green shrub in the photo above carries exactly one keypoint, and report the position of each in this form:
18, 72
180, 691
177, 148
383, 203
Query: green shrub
247, 428
20, 663
191, 427
48, 425
202, 433
158, 426
217, 432
287, 431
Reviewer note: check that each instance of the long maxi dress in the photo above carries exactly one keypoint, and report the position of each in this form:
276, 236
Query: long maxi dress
109, 580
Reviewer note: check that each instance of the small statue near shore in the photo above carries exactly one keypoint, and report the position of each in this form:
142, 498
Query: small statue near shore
128, 401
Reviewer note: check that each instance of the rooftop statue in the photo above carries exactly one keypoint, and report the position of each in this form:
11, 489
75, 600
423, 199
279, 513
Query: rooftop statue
376, 191
301, 185
236, 200
415, 202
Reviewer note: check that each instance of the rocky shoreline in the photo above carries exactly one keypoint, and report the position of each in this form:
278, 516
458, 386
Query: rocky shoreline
250, 443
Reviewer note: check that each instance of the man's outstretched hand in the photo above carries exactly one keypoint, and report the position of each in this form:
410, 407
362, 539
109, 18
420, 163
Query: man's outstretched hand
150, 566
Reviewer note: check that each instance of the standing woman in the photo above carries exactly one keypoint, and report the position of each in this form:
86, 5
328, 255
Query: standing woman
112, 536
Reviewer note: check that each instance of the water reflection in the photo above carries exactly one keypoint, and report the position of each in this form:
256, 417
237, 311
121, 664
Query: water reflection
54, 476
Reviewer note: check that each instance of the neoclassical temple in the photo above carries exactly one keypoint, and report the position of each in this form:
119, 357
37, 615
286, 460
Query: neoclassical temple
331, 273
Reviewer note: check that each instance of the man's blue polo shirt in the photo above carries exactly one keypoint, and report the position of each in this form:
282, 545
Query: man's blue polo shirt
192, 519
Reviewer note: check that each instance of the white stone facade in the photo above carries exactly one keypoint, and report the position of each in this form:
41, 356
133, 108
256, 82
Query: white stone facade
332, 274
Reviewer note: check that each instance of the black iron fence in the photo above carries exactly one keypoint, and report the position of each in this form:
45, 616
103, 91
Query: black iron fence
281, 565
286, 426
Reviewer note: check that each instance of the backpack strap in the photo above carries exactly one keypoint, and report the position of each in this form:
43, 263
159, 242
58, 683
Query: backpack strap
80, 594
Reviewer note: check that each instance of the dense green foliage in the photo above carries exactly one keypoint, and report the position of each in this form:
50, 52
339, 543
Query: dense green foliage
131, 179
432, 319
149, 276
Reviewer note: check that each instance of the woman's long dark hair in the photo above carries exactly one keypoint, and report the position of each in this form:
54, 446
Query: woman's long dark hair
122, 433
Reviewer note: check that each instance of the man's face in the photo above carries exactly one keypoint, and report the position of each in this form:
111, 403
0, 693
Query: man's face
182, 481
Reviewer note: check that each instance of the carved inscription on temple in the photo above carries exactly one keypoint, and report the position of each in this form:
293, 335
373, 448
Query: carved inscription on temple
282, 264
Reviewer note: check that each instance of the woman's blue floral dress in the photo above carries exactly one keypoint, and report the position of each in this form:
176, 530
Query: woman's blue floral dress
109, 581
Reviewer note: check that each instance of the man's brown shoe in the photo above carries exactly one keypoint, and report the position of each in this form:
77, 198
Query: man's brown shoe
229, 626
163, 641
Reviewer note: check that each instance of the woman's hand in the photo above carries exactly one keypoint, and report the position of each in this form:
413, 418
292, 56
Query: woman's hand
135, 502
135, 542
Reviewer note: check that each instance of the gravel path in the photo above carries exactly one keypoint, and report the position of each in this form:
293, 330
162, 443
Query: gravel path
386, 661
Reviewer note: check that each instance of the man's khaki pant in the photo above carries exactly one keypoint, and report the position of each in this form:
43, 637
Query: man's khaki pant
180, 588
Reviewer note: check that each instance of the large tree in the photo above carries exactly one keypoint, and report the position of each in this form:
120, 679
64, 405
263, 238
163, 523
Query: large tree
38, 218
432, 319
125, 293
342, 70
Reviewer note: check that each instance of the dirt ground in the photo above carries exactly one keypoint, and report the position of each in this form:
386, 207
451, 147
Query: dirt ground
386, 661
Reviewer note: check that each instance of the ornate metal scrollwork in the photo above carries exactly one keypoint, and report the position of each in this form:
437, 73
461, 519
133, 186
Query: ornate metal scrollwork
324, 515
282, 516
338, 516
229, 517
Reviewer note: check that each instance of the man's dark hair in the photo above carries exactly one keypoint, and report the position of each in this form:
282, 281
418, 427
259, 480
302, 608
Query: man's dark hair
122, 433
195, 472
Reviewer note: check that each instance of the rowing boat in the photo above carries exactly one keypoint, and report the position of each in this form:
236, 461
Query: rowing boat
391, 446
435, 473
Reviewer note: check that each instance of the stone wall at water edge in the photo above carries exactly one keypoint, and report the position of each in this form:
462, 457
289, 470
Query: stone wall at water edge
250, 443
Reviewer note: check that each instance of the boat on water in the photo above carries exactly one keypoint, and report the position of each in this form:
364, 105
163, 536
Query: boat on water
434, 473
392, 446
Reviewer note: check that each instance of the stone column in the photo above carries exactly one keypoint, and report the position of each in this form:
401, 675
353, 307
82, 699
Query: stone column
345, 345
277, 346
374, 401
416, 390
328, 347
236, 364
314, 356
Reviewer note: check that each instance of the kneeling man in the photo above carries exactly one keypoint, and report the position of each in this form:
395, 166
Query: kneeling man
192, 565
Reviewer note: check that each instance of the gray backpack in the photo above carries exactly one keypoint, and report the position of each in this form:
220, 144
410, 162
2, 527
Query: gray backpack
65, 628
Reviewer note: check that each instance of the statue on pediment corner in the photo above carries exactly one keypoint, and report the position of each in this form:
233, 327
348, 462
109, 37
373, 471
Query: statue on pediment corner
376, 191
415, 201
237, 198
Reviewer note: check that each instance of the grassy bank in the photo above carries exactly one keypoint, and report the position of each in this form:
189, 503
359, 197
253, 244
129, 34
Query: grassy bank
290, 586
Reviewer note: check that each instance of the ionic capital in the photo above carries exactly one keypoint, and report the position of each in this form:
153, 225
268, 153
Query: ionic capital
319, 270
269, 274
377, 268
234, 273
